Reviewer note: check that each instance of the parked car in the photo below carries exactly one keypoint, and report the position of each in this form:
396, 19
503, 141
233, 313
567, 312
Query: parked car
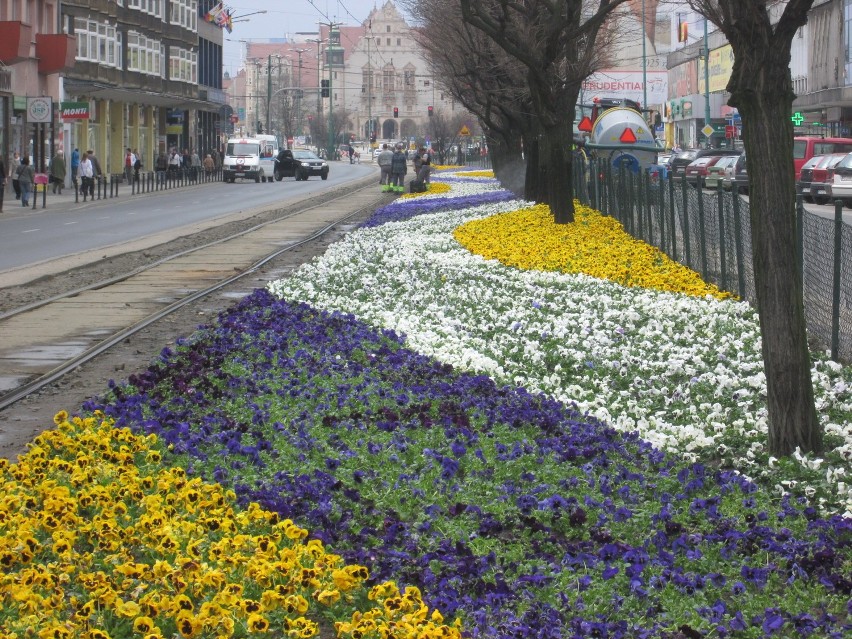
738, 181
679, 161
841, 185
803, 184
823, 176
716, 172
696, 171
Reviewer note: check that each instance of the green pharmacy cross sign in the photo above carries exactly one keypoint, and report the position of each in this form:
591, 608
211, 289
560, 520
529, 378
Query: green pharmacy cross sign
797, 118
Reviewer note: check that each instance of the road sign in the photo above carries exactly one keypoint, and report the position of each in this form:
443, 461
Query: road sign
730, 131
464, 131
707, 130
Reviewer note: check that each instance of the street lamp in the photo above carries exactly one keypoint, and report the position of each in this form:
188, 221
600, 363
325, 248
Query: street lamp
319, 91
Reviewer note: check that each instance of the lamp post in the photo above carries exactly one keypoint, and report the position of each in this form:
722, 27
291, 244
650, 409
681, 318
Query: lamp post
644, 59
369, 39
330, 55
706, 81
299, 93
319, 42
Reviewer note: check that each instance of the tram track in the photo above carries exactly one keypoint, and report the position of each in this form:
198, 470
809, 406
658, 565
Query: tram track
44, 340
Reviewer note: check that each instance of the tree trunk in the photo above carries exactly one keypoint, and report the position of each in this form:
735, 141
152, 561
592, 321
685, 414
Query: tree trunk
532, 181
556, 157
768, 139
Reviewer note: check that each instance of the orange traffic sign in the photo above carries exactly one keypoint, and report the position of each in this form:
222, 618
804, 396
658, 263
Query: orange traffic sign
585, 124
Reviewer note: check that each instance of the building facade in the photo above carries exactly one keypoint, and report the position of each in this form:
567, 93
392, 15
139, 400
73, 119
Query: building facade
144, 74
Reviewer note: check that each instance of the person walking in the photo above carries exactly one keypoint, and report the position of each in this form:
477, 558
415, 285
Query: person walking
13, 171
137, 165
75, 165
209, 165
161, 166
97, 173
195, 163
129, 161
26, 175
425, 165
174, 162
399, 167
86, 171
384, 160
58, 170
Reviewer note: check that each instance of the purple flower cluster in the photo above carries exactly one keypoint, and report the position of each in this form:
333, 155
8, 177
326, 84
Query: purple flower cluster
512, 510
406, 209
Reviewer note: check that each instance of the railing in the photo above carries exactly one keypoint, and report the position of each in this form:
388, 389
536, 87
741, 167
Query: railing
710, 232
104, 187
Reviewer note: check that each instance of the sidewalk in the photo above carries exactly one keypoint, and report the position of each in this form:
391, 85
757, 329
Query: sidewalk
68, 201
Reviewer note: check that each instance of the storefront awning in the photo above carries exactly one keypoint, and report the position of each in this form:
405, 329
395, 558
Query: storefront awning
87, 88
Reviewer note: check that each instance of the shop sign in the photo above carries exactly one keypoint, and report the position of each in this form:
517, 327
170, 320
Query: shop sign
39, 109
74, 110
19, 103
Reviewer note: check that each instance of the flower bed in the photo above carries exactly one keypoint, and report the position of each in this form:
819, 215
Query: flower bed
99, 540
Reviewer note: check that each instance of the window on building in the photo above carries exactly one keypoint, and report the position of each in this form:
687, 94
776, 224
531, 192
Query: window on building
151, 7
387, 28
183, 65
143, 53
388, 41
184, 13
399, 42
97, 42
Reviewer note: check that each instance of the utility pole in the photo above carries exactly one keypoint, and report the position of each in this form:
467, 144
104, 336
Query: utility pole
331, 52
644, 62
319, 42
369, 94
268, 89
706, 52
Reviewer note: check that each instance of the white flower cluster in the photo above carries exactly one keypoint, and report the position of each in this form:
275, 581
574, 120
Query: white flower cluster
684, 372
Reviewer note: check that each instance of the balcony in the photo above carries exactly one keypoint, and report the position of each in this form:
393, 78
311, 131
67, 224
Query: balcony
56, 52
15, 39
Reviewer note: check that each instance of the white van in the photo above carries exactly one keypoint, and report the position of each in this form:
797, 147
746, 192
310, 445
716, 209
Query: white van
242, 160
268, 153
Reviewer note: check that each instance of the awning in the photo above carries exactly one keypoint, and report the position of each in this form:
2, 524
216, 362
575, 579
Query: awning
91, 89
55, 52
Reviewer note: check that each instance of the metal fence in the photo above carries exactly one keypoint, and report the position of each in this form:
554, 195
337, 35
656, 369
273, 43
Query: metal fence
107, 186
710, 232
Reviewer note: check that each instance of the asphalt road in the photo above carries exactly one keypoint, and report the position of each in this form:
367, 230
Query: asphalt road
65, 230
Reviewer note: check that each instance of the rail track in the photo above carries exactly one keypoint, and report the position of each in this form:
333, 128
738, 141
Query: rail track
40, 342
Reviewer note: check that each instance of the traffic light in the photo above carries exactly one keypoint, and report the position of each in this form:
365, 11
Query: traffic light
326, 91
373, 138
395, 112
431, 110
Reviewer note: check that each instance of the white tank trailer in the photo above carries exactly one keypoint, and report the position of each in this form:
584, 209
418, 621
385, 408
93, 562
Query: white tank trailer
621, 135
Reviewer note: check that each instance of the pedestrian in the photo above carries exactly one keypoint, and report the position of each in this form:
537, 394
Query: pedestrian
384, 160
195, 163
174, 162
86, 171
3, 178
351, 150
209, 165
97, 173
161, 166
75, 164
58, 170
137, 165
26, 175
129, 161
417, 161
425, 165
13, 171
399, 167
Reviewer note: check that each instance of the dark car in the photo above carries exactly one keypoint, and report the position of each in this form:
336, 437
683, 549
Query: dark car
679, 161
803, 184
300, 164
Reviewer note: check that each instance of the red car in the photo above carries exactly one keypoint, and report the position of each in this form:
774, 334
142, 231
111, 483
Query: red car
822, 176
696, 171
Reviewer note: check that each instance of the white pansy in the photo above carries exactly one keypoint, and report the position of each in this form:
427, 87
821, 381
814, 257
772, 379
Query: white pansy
685, 372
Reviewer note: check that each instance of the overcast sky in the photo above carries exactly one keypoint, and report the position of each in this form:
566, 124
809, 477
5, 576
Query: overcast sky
286, 18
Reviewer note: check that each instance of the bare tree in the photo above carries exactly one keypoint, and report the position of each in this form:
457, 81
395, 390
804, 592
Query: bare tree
762, 91
555, 41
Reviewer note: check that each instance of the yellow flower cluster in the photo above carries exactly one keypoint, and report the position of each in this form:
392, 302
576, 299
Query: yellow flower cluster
431, 189
403, 610
593, 244
447, 167
97, 540
482, 174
